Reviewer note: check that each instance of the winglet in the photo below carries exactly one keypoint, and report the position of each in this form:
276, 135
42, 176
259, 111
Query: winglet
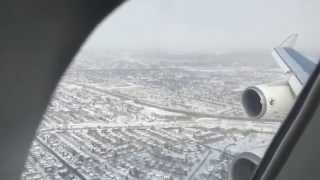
290, 41
292, 61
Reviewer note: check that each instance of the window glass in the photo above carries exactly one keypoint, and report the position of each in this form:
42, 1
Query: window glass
176, 89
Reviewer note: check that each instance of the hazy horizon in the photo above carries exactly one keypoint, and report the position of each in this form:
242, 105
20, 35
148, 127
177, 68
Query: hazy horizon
210, 26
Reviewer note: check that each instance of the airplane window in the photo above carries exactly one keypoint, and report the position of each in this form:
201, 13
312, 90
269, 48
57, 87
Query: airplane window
175, 89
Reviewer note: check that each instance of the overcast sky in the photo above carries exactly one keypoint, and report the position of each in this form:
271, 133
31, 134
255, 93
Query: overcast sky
208, 25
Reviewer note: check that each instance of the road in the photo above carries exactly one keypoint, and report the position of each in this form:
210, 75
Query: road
60, 159
195, 170
173, 110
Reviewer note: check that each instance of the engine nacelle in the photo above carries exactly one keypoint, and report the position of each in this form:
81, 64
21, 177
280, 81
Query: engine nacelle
268, 99
244, 166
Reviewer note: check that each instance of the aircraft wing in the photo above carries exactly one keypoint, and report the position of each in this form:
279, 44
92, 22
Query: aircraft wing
292, 61
278, 97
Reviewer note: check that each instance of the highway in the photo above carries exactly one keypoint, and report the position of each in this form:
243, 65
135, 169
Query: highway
173, 110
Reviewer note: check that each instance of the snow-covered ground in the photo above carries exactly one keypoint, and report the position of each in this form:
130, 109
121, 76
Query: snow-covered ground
138, 119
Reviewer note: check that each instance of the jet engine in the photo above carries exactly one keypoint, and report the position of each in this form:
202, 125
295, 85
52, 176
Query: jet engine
244, 166
268, 99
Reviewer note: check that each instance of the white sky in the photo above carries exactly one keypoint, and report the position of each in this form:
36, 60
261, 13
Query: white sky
208, 25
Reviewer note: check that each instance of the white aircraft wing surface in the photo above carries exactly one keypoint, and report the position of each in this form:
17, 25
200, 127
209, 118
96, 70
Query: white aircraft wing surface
292, 61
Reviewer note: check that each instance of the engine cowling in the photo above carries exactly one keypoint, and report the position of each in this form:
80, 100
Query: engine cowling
244, 166
268, 99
